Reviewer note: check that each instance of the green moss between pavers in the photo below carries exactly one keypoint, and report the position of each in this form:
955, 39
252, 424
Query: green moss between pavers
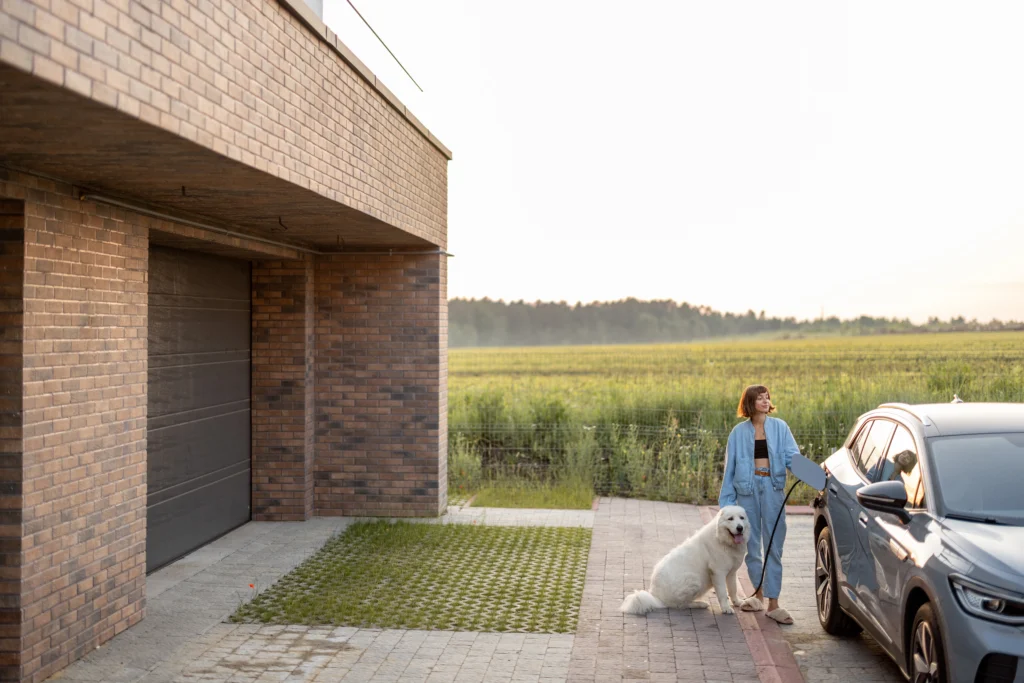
433, 576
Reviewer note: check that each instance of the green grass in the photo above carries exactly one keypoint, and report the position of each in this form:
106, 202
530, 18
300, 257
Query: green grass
510, 493
431, 576
651, 421
819, 384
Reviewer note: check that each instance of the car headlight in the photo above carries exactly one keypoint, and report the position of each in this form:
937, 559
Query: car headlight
988, 602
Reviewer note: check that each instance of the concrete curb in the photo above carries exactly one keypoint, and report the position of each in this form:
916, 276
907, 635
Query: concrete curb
771, 652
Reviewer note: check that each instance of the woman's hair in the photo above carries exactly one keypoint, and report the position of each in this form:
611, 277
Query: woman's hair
746, 407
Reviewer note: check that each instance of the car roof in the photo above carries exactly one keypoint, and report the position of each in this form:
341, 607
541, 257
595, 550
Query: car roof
947, 419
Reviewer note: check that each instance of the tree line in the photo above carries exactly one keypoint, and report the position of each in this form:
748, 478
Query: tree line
483, 322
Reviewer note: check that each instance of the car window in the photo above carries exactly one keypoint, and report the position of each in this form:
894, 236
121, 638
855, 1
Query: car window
914, 485
870, 460
900, 457
901, 463
858, 444
980, 475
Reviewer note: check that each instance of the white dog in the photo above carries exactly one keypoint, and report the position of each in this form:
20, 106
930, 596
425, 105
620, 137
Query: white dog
708, 559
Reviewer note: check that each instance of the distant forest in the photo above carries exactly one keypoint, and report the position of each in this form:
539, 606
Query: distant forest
483, 322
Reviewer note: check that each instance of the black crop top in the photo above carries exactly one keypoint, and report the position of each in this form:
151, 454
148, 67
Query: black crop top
760, 449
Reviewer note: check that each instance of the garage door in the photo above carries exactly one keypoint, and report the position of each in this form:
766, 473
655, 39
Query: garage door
199, 419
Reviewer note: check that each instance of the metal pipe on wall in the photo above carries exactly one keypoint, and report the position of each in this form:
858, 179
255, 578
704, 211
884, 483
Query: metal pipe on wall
231, 233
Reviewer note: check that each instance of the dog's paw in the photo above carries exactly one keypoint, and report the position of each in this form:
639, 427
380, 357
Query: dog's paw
727, 609
698, 604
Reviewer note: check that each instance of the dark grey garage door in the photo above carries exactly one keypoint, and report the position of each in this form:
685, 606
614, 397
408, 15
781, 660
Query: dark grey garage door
199, 421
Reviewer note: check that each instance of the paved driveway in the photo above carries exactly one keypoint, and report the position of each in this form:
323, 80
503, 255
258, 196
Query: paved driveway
822, 657
185, 639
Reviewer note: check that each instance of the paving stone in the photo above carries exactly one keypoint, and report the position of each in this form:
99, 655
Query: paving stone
184, 638
630, 536
822, 657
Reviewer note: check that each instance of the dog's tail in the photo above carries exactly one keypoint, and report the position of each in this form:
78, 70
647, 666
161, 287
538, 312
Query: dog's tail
640, 602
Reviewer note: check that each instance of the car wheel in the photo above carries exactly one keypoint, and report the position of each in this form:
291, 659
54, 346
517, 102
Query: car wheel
826, 590
927, 655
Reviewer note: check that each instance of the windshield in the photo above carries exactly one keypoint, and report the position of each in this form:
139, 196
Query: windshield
981, 475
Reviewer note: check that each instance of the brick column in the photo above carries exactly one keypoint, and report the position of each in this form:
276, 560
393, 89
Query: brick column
83, 553
282, 390
381, 385
12, 273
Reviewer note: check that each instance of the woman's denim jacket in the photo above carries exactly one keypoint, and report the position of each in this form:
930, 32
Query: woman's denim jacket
739, 459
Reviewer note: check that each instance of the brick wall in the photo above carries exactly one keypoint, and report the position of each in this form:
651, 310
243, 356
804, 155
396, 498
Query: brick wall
381, 384
349, 380
439, 303
245, 79
282, 390
308, 465
12, 264
84, 425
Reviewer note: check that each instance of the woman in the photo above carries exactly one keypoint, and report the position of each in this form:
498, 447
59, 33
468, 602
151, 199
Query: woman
759, 451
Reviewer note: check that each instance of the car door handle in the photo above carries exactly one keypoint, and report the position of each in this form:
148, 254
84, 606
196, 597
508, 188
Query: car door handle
833, 489
863, 519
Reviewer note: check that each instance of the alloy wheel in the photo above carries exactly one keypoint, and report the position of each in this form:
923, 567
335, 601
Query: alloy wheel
926, 660
823, 578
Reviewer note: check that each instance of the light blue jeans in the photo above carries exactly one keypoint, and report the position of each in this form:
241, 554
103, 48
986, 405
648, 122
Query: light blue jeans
762, 507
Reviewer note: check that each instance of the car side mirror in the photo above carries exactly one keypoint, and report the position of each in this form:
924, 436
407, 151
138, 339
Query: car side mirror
885, 496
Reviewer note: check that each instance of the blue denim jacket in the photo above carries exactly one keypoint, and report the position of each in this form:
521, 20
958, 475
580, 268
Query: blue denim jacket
739, 459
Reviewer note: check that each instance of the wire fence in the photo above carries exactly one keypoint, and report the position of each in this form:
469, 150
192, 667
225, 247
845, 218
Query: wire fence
654, 420
667, 462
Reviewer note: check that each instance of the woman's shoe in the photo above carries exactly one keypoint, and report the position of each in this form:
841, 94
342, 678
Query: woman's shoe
751, 604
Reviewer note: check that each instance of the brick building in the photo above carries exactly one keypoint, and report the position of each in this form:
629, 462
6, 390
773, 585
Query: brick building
224, 298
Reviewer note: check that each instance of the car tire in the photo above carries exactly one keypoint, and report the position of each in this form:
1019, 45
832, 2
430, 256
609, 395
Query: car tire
927, 657
831, 616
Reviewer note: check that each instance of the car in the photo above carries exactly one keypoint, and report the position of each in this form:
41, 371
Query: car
919, 539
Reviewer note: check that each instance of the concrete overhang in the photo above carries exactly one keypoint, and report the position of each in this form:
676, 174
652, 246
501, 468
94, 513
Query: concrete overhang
52, 131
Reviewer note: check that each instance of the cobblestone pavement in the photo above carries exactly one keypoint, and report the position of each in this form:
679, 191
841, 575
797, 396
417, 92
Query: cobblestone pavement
189, 597
630, 536
184, 637
823, 658
310, 654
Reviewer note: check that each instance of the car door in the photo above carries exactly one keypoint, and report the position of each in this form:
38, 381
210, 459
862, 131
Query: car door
863, 576
890, 541
842, 503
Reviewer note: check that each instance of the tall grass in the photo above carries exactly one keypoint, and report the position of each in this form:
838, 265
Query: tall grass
652, 421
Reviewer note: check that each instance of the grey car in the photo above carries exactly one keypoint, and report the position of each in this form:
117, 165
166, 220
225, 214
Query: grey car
920, 539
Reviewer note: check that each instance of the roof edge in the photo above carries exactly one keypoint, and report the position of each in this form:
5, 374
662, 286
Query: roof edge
305, 14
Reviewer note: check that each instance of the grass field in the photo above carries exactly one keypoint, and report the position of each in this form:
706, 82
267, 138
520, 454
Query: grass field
652, 421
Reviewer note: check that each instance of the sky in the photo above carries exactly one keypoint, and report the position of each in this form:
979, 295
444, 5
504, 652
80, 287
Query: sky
801, 158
